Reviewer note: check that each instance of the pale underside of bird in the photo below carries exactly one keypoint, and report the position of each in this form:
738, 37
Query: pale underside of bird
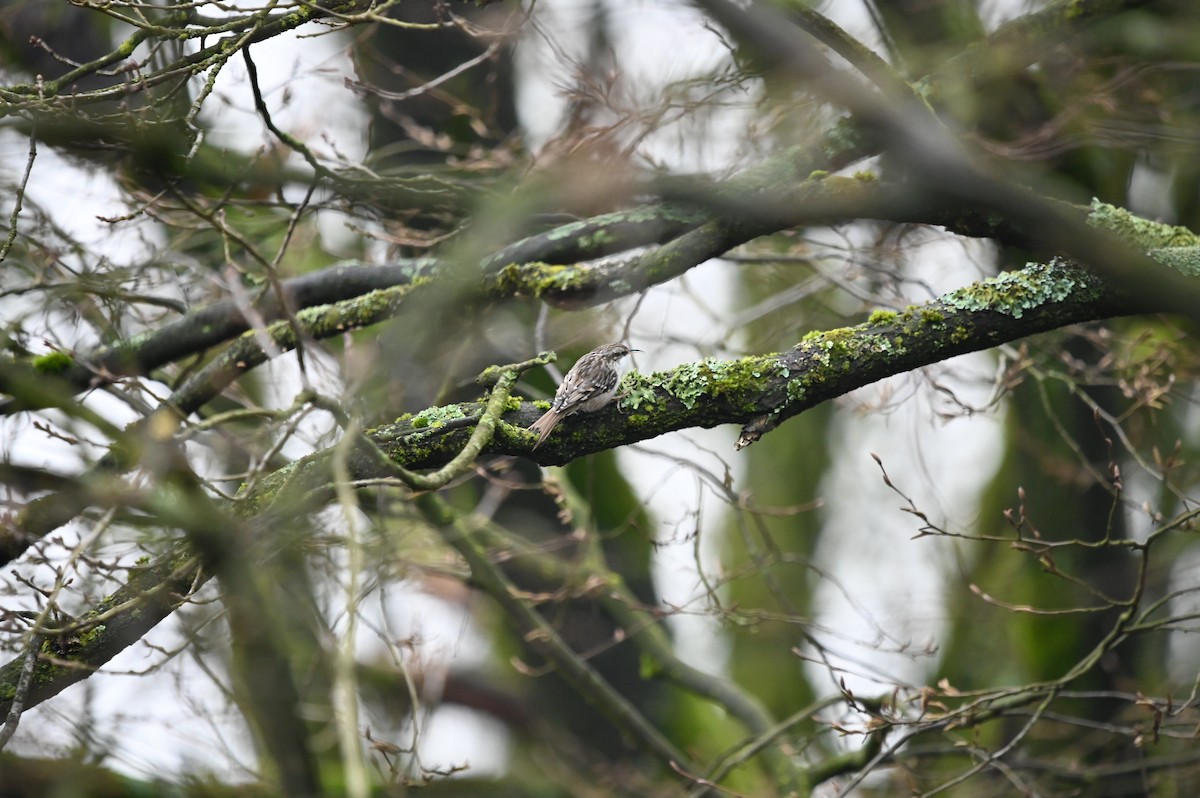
589, 386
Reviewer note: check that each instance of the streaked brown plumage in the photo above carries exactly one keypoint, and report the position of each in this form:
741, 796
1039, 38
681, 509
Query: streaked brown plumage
589, 385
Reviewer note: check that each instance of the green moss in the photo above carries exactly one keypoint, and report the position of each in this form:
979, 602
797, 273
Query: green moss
796, 390
537, 278
649, 667
837, 342
881, 317
53, 362
868, 177
817, 174
932, 317
840, 350
89, 637
45, 671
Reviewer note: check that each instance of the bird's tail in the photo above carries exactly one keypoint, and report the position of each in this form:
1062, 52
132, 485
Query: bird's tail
545, 425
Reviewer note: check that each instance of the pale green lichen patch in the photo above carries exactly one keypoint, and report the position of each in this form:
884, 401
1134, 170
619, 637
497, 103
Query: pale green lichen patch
437, 416
839, 347
692, 383
670, 212
569, 230
597, 240
633, 396
1014, 293
1185, 260
1143, 233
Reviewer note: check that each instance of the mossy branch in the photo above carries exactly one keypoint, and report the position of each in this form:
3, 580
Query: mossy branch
151, 593
760, 392
502, 378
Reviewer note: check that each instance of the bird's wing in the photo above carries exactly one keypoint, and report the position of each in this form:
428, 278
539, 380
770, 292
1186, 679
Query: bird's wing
573, 392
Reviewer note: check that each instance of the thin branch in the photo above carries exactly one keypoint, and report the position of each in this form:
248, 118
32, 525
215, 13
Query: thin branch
21, 693
19, 195
538, 634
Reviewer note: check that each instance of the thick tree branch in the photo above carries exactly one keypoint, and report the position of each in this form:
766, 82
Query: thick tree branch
760, 392
150, 594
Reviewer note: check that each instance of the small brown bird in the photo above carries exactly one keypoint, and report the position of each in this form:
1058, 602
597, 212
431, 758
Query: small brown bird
589, 385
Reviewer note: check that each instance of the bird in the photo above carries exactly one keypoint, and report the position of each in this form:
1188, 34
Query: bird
589, 385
